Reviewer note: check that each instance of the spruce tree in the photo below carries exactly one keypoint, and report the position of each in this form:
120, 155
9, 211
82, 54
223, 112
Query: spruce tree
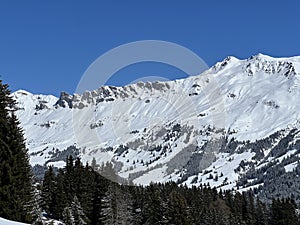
283, 212
15, 172
154, 209
77, 211
68, 216
109, 206
49, 191
178, 212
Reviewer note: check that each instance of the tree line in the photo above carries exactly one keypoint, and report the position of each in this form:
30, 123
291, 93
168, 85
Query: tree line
79, 195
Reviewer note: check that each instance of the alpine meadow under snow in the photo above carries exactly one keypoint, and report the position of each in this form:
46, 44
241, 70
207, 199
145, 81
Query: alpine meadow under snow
235, 126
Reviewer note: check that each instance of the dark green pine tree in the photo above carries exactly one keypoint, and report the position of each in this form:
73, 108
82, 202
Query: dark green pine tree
261, 213
62, 198
109, 206
178, 212
117, 207
49, 192
78, 213
15, 172
100, 189
154, 208
283, 212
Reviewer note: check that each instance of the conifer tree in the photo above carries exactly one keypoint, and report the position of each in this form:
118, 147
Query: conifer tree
98, 194
154, 209
15, 171
178, 212
283, 212
261, 215
109, 206
48, 191
117, 206
78, 213
68, 217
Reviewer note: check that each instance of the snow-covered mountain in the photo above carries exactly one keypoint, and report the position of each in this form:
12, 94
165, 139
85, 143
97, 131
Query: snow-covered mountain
235, 125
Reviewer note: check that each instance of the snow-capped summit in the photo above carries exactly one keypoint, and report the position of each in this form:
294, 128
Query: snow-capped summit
269, 65
230, 60
183, 130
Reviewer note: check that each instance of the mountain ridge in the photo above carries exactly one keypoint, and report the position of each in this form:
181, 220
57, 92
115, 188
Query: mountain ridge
190, 130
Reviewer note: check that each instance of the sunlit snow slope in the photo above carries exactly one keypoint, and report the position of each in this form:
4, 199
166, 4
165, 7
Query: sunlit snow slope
8, 222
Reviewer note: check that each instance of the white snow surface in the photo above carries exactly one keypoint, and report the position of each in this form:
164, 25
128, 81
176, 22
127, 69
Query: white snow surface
290, 167
9, 222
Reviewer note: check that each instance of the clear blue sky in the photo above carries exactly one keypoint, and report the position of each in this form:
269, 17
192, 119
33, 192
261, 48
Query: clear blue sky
45, 46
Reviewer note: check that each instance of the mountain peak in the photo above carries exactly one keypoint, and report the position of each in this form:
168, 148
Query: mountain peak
230, 60
269, 65
65, 99
262, 57
22, 92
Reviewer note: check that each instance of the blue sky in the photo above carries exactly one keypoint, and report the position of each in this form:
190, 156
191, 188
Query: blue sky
46, 46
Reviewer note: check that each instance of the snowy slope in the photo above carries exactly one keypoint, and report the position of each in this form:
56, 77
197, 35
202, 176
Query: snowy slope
8, 222
178, 130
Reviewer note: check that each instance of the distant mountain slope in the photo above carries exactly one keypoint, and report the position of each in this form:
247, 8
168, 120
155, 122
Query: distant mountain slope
234, 126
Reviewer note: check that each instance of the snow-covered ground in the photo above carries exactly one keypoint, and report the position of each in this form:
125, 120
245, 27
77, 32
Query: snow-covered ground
9, 222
